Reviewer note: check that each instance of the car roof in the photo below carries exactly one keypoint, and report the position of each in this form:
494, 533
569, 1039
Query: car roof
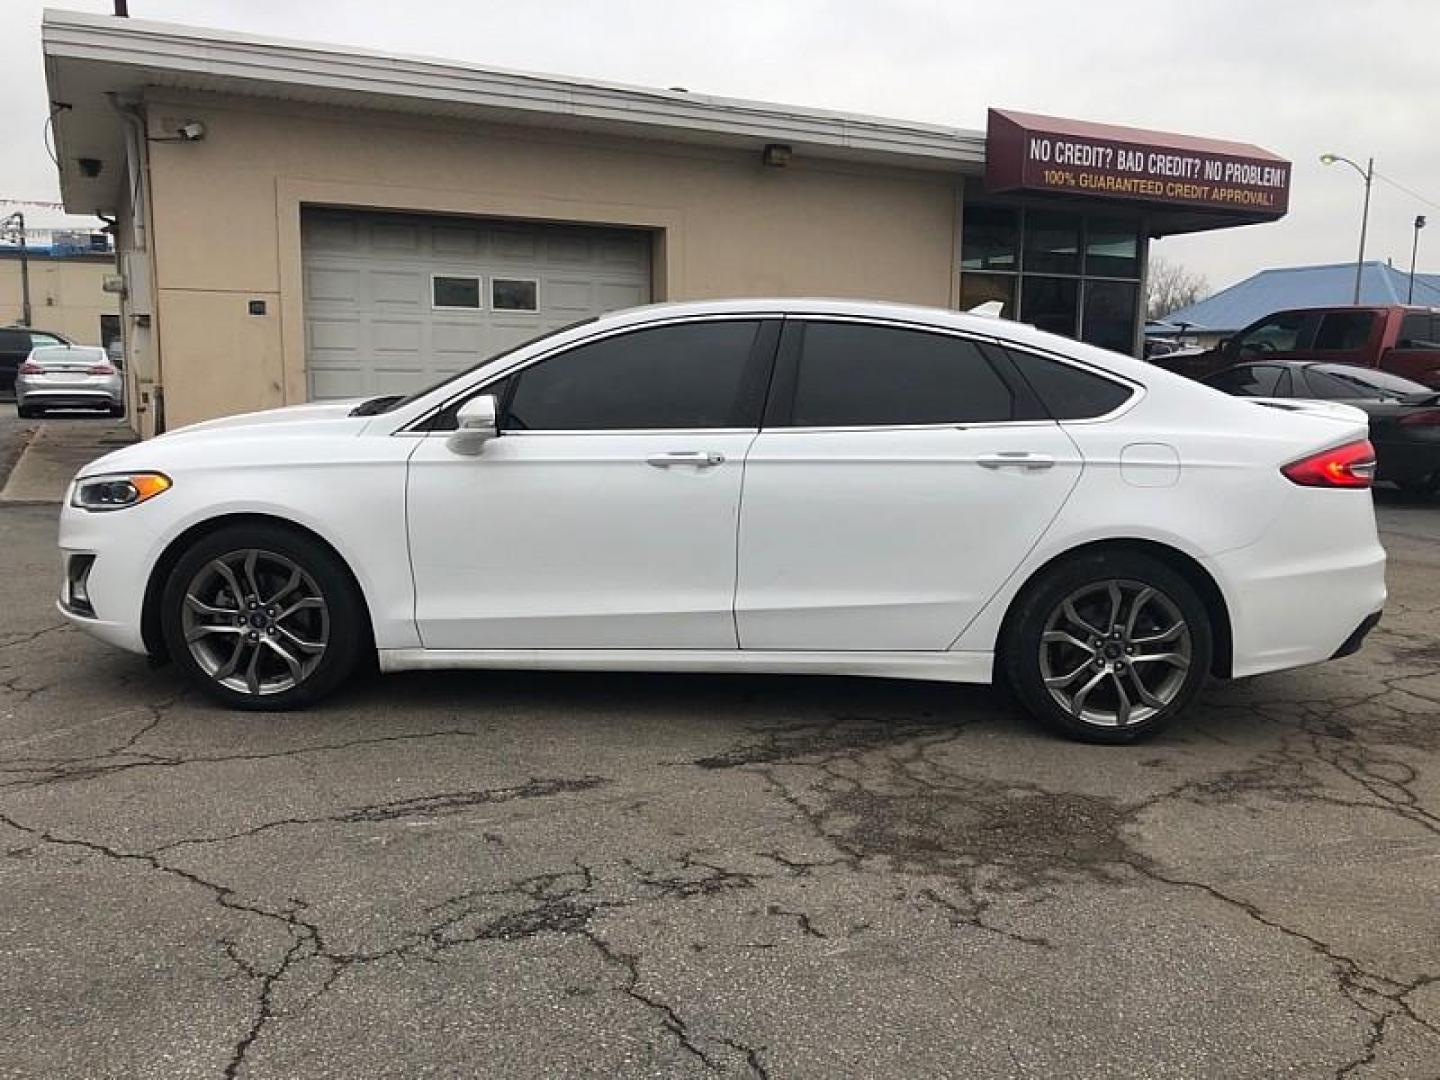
1002, 330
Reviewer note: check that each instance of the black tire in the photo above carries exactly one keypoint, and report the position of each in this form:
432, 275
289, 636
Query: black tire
1041, 605
345, 633
117, 411
26, 412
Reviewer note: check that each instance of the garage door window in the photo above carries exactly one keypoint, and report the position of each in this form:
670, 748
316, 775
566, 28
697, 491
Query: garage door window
701, 375
514, 294
449, 292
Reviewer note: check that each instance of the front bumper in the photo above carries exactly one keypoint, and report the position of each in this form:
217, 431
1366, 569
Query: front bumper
121, 545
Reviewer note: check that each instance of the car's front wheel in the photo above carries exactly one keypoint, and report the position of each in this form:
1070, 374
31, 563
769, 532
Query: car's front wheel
263, 617
1108, 647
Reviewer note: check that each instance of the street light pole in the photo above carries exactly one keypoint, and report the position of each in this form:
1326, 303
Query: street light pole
1368, 175
17, 222
1414, 247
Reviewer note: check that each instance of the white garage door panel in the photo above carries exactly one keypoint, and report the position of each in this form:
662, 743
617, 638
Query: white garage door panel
369, 325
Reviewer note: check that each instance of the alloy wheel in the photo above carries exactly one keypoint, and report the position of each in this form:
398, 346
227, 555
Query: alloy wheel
255, 622
1115, 653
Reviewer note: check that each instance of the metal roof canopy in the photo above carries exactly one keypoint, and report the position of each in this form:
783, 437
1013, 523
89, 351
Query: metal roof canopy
88, 57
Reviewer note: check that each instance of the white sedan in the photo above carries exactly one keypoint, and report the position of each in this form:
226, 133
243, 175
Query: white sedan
752, 486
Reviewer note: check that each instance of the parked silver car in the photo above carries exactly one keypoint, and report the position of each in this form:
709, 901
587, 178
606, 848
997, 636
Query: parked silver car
69, 377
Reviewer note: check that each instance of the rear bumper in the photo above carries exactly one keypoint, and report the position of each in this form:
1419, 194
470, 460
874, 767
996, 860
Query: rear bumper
1308, 587
1352, 644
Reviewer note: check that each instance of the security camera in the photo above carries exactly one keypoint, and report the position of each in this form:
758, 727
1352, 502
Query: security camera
191, 131
90, 167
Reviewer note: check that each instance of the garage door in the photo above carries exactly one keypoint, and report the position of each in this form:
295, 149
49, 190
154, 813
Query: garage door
395, 302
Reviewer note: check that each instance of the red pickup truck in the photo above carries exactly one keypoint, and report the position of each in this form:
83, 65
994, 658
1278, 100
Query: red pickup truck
1403, 340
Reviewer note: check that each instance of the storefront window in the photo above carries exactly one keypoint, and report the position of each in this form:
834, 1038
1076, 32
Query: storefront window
1052, 243
1050, 303
991, 239
1110, 314
1075, 275
1112, 248
977, 289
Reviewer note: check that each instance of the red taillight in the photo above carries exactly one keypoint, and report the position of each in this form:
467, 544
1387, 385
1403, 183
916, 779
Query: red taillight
1348, 466
100, 369
27, 368
1423, 418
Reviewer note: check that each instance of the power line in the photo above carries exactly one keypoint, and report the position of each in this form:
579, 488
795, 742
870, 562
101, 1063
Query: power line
1408, 191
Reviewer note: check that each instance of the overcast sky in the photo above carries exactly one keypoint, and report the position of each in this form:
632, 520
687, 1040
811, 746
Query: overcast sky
1298, 77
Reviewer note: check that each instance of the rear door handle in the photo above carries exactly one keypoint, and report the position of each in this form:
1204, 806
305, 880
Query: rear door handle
1015, 459
699, 459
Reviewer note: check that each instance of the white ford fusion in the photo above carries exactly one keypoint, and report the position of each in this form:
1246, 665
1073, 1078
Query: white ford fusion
763, 486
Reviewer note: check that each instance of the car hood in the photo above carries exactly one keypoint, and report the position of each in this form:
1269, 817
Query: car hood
317, 418
289, 414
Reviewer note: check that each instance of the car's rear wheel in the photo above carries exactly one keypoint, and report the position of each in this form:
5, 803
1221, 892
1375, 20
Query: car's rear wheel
26, 412
1108, 647
263, 617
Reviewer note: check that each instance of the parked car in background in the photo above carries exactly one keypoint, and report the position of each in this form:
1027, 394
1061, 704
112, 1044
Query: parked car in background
15, 345
1402, 340
1404, 415
68, 377
798, 486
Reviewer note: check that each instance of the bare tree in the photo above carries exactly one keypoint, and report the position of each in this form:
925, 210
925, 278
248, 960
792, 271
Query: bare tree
1170, 287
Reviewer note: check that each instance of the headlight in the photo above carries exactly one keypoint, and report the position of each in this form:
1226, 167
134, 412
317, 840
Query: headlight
118, 492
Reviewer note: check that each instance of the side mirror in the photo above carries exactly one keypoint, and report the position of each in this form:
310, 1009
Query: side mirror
1223, 345
477, 424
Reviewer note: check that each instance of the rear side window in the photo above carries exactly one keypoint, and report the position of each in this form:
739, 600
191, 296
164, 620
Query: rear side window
692, 375
1419, 331
854, 374
1069, 393
1343, 331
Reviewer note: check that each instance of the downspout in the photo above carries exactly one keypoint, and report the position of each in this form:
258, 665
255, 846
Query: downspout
137, 160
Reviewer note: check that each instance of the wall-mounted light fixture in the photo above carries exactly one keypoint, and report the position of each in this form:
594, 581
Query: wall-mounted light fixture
776, 155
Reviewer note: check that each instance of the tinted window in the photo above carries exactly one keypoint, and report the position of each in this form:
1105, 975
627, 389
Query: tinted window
690, 376
1249, 380
1069, 393
1339, 380
1419, 332
454, 292
849, 374
1343, 330
1283, 332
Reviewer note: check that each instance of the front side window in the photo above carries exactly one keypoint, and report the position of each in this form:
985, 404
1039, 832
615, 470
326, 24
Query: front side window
852, 374
693, 375
1344, 331
1281, 333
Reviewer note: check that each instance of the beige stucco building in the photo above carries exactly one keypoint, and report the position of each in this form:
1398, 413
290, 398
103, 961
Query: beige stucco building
66, 295
300, 222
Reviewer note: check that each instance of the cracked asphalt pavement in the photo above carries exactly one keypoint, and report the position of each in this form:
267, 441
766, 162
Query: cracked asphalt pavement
623, 875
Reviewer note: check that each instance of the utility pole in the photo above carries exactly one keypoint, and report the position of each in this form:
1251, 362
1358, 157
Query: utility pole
1414, 247
16, 221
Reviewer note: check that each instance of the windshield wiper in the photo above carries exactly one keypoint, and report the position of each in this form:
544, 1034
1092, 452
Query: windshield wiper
375, 405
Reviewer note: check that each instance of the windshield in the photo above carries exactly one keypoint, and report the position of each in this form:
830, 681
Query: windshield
387, 403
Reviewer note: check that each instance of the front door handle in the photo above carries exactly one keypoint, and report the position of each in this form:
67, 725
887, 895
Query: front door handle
1015, 459
699, 459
